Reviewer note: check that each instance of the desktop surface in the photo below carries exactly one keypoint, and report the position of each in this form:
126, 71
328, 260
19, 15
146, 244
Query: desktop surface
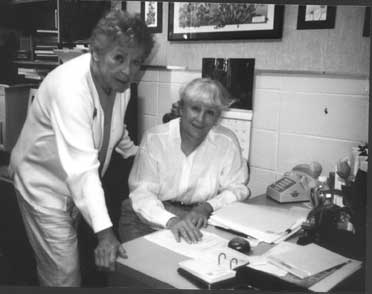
151, 266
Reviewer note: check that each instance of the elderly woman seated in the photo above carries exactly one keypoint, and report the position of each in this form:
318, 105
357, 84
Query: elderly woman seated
185, 169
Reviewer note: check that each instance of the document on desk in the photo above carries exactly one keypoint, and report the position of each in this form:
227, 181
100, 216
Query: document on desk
262, 222
305, 261
210, 243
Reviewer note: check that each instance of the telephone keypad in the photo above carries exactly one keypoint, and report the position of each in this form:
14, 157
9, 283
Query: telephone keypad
283, 184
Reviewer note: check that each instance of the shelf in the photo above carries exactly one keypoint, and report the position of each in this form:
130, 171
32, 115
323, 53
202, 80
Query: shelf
36, 62
26, 1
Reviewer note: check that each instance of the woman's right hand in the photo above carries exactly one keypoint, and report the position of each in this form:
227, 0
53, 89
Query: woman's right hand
184, 228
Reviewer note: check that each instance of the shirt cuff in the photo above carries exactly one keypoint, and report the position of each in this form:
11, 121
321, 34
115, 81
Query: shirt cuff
132, 151
165, 217
101, 223
222, 199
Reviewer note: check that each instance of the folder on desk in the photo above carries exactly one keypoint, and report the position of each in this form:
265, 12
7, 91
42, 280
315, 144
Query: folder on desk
265, 223
306, 261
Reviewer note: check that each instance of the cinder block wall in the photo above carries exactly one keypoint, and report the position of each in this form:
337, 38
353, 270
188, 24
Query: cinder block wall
297, 118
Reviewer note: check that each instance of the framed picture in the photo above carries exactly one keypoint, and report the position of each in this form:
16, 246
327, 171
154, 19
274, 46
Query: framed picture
152, 13
236, 74
316, 17
123, 5
367, 22
192, 21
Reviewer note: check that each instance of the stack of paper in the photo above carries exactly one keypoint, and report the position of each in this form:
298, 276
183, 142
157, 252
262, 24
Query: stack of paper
308, 260
262, 222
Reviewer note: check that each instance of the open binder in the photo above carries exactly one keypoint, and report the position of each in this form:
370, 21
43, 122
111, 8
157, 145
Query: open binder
214, 269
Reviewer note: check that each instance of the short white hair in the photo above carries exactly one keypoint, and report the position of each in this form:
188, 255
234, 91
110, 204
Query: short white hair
207, 91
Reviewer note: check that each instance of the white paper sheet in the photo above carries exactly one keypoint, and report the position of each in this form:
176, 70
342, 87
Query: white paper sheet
209, 243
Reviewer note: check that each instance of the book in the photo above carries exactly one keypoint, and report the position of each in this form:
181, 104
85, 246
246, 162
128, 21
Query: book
207, 272
308, 260
215, 267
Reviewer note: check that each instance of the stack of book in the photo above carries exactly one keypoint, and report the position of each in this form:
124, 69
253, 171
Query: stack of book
33, 73
45, 42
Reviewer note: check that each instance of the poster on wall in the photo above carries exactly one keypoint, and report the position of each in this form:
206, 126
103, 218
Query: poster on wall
235, 74
367, 22
190, 21
151, 13
316, 17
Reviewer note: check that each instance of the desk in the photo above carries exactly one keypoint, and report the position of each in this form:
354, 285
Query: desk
152, 266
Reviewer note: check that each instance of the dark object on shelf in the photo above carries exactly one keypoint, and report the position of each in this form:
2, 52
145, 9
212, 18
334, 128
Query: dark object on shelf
78, 18
235, 74
29, 16
8, 49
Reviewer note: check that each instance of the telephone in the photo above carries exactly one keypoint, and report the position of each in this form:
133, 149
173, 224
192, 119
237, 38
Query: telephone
295, 185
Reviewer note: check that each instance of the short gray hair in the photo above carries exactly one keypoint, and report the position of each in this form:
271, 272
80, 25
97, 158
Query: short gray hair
117, 23
207, 91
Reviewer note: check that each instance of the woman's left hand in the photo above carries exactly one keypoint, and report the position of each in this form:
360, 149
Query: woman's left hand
199, 215
107, 250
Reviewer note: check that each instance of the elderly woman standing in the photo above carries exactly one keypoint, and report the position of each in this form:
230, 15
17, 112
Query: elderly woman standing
72, 127
185, 169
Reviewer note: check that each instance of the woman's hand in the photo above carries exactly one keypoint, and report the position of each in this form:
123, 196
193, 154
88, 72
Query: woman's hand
199, 215
188, 227
184, 228
107, 250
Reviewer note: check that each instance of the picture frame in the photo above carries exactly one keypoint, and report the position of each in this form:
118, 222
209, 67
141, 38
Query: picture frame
194, 21
367, 22
123, 5
312, 17
152, 14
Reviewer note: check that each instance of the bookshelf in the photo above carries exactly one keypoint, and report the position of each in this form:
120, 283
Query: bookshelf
38, 37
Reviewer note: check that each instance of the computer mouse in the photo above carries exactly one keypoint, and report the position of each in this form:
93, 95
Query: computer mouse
240, 244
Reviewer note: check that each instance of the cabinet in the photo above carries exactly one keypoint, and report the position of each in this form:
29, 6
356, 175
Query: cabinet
40, 14
13, 110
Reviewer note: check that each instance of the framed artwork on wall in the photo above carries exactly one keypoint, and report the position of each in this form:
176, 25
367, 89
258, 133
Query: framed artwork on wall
123, 5
367, 22
235, 74
312, 17
152, 13
192, 21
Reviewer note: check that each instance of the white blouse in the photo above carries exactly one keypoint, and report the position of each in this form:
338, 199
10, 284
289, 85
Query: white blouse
215, 172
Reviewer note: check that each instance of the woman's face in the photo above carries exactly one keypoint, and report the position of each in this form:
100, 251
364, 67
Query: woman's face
118, 65
198, 118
